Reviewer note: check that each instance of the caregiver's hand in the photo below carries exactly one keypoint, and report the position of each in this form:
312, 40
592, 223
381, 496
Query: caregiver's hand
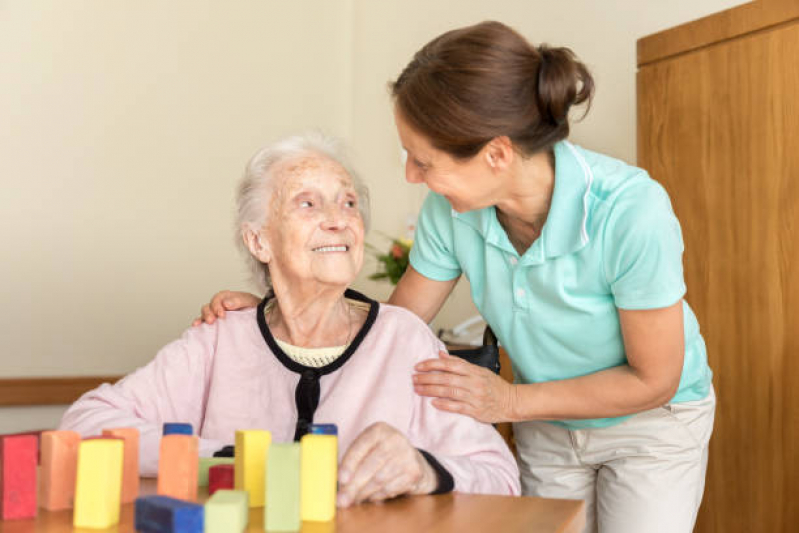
462, 387
381, 464
225, 301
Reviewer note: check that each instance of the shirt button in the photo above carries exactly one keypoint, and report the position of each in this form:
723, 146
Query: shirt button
513, 260
520, 293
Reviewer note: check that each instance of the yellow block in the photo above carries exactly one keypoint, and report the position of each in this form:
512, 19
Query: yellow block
318, 475
252, 446
99, 483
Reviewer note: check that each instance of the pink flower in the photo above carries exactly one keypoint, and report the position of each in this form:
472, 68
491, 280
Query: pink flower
396, 251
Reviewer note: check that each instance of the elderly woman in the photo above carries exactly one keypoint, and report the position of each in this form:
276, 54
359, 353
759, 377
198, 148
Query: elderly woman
312, 351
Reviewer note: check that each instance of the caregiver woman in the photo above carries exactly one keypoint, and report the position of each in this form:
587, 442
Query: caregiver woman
574, 260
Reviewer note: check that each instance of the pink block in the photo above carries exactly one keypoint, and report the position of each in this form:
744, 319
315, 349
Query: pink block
130, 469
59, 461
18, 457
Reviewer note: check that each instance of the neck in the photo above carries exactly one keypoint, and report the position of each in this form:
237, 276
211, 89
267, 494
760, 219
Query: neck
311, 318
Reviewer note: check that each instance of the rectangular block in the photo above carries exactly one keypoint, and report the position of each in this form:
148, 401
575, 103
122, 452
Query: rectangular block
221, 477
318, 476
323, 429
98, 488
162, 514
250, 462
177, 467
18, 458
130, 467
59, 464
177, 428
282, 511
205, 464
227, 511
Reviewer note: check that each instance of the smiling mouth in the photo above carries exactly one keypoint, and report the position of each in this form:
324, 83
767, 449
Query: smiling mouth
326, 249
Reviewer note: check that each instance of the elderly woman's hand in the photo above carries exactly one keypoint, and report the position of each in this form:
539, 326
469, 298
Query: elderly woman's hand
225, 301
381, 464
464, 388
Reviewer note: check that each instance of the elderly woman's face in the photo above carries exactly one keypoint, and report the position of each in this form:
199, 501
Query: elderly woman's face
315, 230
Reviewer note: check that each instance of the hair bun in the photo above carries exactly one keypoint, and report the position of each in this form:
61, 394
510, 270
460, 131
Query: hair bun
562, 82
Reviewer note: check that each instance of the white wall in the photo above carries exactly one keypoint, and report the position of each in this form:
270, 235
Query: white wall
124, 126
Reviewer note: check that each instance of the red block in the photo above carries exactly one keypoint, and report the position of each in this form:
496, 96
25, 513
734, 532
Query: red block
18, 457
220, 477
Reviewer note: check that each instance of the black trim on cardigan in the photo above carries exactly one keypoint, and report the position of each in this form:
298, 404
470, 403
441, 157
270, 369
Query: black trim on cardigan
446, 483
307, 393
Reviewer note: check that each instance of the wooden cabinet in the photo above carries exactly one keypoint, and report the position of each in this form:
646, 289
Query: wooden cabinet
718, 126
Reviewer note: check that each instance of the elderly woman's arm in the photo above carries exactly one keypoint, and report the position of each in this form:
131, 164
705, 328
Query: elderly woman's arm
171, 388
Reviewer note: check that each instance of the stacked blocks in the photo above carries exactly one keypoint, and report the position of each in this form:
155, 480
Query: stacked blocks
205, 465
282, 511
162, 514
177, 467
59, 461
250, 463
130, 469
18, 458
221, 477
99, 483
318, 476
227, 511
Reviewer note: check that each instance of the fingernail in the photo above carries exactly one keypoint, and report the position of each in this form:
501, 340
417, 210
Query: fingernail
343, 476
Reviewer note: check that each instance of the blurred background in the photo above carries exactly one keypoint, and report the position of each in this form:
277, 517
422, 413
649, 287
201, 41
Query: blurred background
125, 126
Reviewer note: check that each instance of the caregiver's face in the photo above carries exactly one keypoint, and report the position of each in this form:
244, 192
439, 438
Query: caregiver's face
468, 185
315, 231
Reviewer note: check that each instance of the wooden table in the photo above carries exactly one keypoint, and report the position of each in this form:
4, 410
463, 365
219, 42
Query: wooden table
455, 512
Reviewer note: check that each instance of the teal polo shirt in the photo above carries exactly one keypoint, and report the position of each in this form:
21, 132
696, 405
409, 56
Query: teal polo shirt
611, 240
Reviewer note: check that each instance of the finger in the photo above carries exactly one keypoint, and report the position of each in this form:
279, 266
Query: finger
365, 480
444, 392
358, 450
454, 406
444, 378
207, 315
400, 485
197, 322
447, 363
216, 303
383, 480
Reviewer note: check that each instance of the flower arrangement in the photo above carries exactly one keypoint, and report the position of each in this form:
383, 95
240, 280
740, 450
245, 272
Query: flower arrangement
392, 264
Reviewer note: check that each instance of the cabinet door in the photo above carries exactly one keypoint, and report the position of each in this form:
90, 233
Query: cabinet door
719, 128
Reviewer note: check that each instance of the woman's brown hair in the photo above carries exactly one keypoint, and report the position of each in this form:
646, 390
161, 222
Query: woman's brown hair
470, 85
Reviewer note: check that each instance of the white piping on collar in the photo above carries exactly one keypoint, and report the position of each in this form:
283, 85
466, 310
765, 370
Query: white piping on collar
589, 178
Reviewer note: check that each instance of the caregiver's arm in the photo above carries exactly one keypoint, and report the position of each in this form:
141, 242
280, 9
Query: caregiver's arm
225, 301
421, 295
654, 345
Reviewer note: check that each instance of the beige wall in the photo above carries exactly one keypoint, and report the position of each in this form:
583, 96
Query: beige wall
124, 125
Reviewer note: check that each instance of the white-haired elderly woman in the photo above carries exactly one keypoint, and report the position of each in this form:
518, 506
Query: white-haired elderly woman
313, 351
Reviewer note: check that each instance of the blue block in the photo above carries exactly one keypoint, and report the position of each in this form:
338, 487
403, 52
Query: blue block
162, 514
323, 429
177, 428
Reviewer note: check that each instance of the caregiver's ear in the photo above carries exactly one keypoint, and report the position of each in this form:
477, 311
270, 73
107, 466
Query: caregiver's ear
499, 152
258, 246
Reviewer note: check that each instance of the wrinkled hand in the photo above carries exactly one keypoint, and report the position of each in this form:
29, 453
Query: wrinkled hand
225, 301
462, 387
381, 464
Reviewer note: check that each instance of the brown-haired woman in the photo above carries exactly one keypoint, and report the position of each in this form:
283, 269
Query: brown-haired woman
574, 260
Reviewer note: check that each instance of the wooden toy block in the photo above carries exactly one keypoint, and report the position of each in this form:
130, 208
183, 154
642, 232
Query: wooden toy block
162, 514
178, 428
250, 461
227, 511
323, 429
221, 477
59, 463
130, 468
177, 467
205, 464
18, 455
99, 483
318, 476
282, 511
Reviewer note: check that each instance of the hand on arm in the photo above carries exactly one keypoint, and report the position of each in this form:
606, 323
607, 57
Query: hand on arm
380, 464
225, 301
655, 348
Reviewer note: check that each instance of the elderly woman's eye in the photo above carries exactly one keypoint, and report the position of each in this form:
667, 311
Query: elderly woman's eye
351, 203
306, 203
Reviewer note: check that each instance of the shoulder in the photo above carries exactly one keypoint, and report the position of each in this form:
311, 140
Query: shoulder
407, 330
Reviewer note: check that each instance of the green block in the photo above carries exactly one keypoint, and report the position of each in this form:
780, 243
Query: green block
205, 464
227, 511
282, 509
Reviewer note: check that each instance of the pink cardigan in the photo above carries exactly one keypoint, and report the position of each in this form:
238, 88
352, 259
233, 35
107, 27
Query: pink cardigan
223, 377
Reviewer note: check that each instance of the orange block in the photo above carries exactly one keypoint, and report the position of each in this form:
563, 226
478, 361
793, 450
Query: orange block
59, 462
177, 467
130, 465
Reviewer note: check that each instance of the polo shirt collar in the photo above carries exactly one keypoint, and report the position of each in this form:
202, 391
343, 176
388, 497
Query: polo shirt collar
565, 229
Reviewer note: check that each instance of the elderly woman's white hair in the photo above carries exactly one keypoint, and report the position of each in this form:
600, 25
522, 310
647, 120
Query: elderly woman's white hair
254, 192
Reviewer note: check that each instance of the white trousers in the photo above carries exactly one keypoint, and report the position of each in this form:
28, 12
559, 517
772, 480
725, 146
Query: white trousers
646, 474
